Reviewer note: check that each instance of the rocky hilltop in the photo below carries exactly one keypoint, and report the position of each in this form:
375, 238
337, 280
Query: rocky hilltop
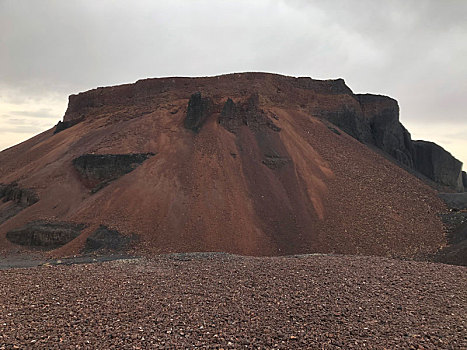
252, 163
371, 119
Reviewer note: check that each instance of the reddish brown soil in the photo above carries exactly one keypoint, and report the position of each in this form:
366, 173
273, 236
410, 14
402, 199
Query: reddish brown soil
335, 194
219, 301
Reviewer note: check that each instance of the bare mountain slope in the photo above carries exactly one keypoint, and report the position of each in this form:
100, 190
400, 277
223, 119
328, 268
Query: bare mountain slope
254, 167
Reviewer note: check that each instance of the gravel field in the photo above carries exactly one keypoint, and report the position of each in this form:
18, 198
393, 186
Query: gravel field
223, 301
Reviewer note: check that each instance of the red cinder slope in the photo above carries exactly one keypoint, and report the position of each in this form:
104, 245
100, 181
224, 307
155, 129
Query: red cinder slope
268, 178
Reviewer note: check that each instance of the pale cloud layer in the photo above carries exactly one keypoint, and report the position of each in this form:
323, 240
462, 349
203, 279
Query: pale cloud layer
412, 50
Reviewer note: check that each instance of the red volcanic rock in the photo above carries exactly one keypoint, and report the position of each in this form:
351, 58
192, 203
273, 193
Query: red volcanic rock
264, 174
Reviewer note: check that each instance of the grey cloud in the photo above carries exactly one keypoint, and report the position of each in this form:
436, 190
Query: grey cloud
21, 129
411, 50
449, 139
419, 47
40, 113
458, 135
14, 121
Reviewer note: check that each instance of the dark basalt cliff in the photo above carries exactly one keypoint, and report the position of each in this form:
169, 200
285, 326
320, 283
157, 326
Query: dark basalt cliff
377, 123
372, 119
375, 120
199, 109
438, 164
381, 114
98, 170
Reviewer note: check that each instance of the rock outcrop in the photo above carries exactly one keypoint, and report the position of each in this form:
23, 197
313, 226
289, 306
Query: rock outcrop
349, 119
376, 122
16, 199
198, 111
98, 170
63, 125
105, 240
45, 235
437, 164
233, 116
381, 113
22, 196
464, 180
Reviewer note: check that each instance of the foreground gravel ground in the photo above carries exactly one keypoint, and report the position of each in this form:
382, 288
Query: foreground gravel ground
222, 301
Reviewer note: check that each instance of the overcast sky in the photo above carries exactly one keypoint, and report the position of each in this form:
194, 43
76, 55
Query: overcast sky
412, 50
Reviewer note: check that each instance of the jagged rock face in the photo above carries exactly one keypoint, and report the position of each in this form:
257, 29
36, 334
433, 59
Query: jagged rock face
387, 133
45, 235
276, 88
375, 120
249, 114
63, 125
350, 120
464, 180
229, 116
98, 170
437, 164
199, 109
